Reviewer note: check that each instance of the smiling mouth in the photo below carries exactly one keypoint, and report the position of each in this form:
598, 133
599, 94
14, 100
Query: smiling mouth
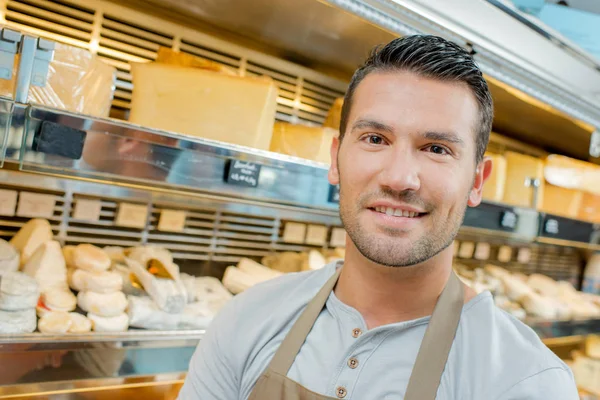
397, 212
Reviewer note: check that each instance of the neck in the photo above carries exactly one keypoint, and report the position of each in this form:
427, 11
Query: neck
385, 295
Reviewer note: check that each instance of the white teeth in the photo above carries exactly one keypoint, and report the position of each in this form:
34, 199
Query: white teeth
413, 214
397, 213
389, 211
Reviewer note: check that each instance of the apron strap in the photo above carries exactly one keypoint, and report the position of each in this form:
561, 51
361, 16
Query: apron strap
437, 342
290, 347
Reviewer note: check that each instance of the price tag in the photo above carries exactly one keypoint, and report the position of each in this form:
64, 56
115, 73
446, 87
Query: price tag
551, 226
482, 251
509, 220
294, 232
334, 194
524, 255
171, 221
132, 215
505, 254
316, 235
36, 205
8, 202
87, 210
466, 250
242, 173
338, 237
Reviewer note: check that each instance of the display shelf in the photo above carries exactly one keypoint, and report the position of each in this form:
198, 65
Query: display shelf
550, 329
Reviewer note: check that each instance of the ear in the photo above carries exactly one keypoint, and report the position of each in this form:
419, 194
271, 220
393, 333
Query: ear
334, 174
484, 169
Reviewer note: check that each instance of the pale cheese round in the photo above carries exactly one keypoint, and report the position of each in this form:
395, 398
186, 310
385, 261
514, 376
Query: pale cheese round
99, 282
55, 322
59, 300
15, 322
80, 323
102, 304
68, 251
90, 258
9, 258
18, 292
118, 323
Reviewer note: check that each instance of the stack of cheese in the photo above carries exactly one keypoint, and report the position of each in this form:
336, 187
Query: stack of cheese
246, 274
586, 367
538, 295
18, 297
311, 143
99, 289
9, 258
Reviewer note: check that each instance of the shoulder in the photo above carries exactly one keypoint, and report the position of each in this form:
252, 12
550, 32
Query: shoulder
503, 351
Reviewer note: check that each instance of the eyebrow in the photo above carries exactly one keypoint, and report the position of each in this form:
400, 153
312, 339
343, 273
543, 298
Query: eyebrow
372, 124
447, 137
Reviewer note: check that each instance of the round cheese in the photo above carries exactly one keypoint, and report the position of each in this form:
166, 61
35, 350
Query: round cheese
18, 292
9, 258
543, 285
118, 323
90, 258
102, 304
116, 253
59, 300
55, 322
80, 323
99, 282
539, 306
68, 255
15, 322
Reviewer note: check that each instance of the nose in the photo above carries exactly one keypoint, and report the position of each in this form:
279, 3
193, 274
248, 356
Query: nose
400, 172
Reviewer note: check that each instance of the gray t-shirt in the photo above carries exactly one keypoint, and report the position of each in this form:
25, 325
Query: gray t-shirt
494, 356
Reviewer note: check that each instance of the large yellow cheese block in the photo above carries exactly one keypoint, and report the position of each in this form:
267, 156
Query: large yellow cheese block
573, 174
519, 169
590, 208
204, 103
493, 189
303, 141
31, 236
560, 201
168, 56
335, 114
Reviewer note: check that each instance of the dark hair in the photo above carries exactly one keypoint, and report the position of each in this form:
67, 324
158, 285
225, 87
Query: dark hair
430, 57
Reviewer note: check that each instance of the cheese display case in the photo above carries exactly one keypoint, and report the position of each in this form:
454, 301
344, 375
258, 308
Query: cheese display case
124, 235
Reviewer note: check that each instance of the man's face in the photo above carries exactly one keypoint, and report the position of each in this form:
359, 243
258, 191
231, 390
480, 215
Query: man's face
406, 166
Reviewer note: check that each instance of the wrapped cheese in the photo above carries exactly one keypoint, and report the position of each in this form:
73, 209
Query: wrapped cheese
167, 56
561, 201
520, 169
169, 294
574, 174
156, 260
102, 304
236, 280
232, 109
260, 271
543, 285
90, 258
285, 262
15, 322
539, 306
144, 313
47, 266
115, 253
131, 285
335, 114
493, 189
99, 282
18, 292
9, 258
314, 262
118, 323
34, 233
311, 143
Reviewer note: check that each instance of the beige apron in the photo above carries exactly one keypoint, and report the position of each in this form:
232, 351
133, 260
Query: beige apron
273, 384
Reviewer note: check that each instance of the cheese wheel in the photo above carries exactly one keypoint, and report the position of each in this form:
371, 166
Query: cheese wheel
15, 322
515, 288
47, 265
102, 304
90, 258
59, 300
33, 234
236, 280
100, 282
9, 258
80, 323
260, 271
118, 323
539, 306
543, 285
18, 292
495, 271
116, 253
55, 322
156, 260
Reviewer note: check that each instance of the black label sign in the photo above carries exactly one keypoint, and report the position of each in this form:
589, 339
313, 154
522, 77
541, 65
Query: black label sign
566, 229
509, 220
242, 173
334, 194
551, 226
60, 140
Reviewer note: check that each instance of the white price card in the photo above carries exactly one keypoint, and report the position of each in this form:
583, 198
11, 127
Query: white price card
482, 251
132, 215
171, 221
466, 250
524, 255
87, 210
8, 202
338, 237
316, 235
294, 232
36, 205
505, 254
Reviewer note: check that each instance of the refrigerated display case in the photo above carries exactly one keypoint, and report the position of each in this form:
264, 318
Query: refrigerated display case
237, 201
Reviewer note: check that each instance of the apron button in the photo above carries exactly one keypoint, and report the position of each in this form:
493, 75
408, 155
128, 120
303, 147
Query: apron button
356, 332
341, 392
352, 362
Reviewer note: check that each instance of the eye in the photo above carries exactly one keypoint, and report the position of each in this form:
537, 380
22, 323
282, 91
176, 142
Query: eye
436, 149
374, 139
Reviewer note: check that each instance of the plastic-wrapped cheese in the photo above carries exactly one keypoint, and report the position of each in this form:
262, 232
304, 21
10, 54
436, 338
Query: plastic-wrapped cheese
116, 253
102, 304
9, 258
99, 282
156, 260
236, 280
256, 269
15, 322
90, 258
18, 292
118, 323
144, 313
34, 233
47, 266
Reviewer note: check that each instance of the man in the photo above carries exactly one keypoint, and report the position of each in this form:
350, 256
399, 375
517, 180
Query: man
415, 124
